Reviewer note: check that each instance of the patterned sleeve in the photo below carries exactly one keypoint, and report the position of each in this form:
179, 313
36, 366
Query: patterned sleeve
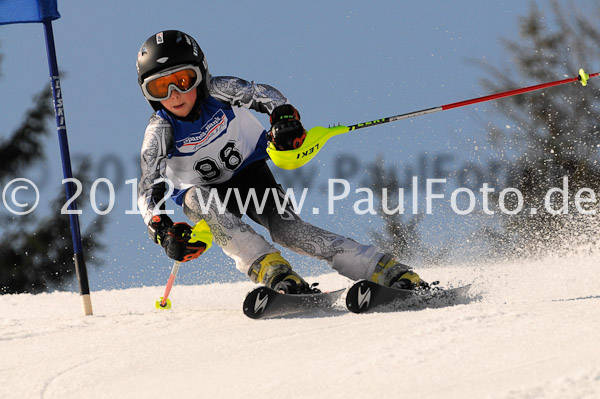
158, 140
239, 92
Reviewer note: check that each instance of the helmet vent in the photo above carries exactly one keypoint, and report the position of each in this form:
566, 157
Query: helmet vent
162, 60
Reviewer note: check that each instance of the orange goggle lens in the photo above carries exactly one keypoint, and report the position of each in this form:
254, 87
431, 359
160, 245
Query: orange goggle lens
184, 80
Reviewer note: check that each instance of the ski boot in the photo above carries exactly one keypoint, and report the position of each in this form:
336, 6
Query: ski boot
391, 273
275, 272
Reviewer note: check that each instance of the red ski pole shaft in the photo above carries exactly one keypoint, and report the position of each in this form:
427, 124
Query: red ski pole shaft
513, 92
170, 282
582, 77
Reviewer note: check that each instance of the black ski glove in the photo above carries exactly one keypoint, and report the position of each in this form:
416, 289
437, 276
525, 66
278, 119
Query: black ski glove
158, 227
286, 133
175, 238
178, 246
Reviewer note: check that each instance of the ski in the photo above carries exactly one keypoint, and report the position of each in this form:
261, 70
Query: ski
264, 302
366, 295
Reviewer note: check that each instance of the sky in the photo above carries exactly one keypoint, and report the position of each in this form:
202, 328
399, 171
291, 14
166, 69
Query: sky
337, 62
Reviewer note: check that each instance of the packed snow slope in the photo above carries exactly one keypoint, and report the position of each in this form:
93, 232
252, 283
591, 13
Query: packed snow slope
530, 330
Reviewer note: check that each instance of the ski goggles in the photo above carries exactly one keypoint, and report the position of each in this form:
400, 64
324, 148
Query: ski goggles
159, 86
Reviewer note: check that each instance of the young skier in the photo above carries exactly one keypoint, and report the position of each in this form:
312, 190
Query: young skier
202, 136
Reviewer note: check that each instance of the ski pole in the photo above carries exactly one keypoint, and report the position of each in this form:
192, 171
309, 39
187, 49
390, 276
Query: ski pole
318, 135
200, 233
164, 302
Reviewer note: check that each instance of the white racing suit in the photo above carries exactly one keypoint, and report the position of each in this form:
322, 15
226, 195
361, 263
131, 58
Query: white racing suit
223, 150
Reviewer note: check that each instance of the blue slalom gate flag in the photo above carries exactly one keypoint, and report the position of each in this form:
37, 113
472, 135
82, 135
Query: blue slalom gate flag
23, 11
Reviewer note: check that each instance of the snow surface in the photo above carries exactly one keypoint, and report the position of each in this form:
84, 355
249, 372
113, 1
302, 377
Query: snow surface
530, 330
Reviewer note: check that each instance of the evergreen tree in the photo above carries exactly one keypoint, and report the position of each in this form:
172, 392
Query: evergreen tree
556, 131
555, 134
36, 252
400, 235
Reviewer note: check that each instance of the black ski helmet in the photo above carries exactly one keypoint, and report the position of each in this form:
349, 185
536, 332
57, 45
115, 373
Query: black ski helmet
168, 49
